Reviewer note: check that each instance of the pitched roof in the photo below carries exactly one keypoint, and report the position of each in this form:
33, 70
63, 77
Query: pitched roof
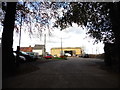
26, 49
38, 46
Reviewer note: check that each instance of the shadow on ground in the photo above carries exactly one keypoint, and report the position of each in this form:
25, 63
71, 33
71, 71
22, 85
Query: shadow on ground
25, 68
30, 67
109, 69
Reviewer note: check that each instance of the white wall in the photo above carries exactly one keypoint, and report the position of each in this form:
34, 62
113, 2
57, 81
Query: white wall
38, 51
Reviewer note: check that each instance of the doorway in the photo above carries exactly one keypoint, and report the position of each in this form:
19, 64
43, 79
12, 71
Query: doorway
68, 52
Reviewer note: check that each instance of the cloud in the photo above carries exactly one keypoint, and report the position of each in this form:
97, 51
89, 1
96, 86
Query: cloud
74, 37
71, 37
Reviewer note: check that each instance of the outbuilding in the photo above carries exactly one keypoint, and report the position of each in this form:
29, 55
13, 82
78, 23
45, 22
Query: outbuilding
72, 51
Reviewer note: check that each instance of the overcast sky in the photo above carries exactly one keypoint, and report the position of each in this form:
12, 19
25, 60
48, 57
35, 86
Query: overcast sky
71, 37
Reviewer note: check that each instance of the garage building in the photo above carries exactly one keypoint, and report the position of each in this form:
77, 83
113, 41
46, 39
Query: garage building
73, 51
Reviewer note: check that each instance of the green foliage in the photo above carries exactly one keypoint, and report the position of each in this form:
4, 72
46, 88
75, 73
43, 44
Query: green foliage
35, 16
93, 15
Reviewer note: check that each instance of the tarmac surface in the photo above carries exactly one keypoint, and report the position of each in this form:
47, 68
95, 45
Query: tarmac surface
72, 73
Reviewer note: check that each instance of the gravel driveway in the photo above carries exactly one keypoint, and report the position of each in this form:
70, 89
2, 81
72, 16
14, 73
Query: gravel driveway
71, 73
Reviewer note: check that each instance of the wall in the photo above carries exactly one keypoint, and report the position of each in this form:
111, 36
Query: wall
40, 52
100, 56
56, 51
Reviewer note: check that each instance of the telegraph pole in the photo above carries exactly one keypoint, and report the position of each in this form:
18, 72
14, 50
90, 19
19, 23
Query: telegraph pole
92, 50
96, 50
44, 44
61, 47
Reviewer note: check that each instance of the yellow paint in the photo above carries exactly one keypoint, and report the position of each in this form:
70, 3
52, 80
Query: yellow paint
75, 50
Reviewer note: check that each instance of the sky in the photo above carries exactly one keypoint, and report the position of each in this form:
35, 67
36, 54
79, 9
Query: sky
71, 37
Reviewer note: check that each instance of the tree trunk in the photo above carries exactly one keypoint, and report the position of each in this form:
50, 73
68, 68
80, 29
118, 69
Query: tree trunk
108, 49
115, 19
8, 62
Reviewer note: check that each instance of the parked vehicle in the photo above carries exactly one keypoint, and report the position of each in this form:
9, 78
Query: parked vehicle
80, 55
21, 59
48, 56
55, 56
27, 56
85, 56
34, 55
67, 54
